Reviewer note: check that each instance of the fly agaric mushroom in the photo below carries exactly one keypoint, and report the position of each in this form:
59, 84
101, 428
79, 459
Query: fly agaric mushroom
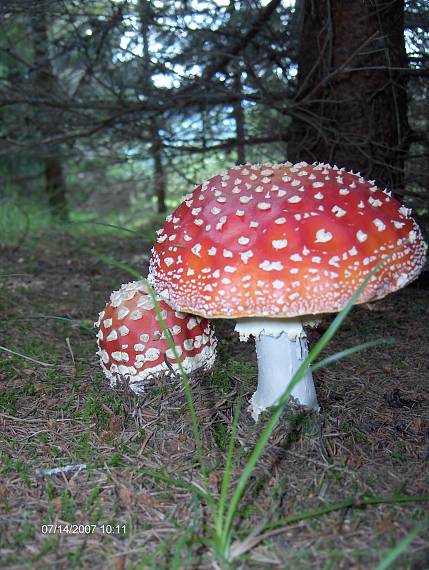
272, 245
132, 344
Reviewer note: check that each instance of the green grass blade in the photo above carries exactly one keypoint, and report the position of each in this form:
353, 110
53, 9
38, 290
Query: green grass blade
354, 502
186, 386
115, 227
273, 420
120, 265
402, 545
68, 320
182, 373
181, 483
177, 562
351, 350
229, 464
361, 503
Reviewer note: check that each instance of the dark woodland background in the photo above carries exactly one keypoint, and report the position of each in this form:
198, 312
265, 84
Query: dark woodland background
111, 110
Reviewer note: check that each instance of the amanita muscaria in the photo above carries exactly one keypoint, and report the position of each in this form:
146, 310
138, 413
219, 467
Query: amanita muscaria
133, 346
275, 245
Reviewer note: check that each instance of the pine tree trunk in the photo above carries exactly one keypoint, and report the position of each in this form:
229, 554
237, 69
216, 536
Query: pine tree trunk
239, 121
55, 187
351, 105
158, 168
45, 84
158, 172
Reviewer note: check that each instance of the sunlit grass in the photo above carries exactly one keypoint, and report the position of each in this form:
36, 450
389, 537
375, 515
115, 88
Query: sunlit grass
19, 219
25, 220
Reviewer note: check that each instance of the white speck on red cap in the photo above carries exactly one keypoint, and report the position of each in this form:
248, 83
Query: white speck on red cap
323, 236
279, 243
361, 236
245, 256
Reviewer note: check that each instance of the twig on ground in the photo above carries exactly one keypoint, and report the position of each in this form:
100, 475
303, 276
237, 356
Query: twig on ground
71, 353
24, 356
40, 473
171, 369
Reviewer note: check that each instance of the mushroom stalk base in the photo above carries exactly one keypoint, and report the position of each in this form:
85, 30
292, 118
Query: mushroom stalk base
281, 347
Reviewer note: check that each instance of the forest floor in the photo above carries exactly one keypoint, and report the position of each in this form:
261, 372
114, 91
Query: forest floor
371, 439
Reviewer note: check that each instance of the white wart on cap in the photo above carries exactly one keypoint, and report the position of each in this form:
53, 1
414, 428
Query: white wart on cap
283, 240
132, 345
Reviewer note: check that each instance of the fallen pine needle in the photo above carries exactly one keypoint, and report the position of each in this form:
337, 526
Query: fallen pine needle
24, 356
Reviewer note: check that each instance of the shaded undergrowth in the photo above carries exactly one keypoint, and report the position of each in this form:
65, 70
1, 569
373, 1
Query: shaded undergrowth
313, 492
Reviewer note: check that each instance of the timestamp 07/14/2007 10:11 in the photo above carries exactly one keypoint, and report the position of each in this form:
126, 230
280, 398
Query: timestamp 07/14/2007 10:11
83, 528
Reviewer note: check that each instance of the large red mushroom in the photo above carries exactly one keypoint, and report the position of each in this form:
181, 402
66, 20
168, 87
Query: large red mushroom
273, 245
133, 346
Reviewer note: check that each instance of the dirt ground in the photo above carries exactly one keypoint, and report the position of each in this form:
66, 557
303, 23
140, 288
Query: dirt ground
370, 440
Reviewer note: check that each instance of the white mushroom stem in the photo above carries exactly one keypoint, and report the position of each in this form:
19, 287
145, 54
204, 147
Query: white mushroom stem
281, 347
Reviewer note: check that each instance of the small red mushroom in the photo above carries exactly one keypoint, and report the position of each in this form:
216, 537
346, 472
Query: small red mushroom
284, 242
132, 344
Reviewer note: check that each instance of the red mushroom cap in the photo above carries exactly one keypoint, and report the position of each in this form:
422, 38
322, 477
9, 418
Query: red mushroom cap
283, 240
133, 346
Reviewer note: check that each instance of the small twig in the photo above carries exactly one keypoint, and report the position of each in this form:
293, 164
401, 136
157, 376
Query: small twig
40, 473
145, 442
24, 356
25, 420
171, 369
323, 450
343, 518
240, 547
71, 353
319, 463
37, 420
